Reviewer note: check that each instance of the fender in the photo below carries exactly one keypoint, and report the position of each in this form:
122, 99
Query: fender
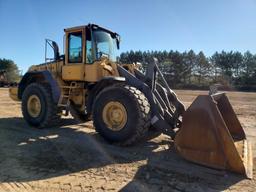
40, 77
104, 82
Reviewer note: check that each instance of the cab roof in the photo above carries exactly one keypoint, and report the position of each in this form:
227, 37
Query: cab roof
91, 26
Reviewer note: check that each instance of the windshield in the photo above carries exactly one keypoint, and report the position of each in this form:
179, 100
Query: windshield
105, 45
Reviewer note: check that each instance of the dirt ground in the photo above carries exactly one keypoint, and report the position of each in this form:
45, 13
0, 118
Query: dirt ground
73, 157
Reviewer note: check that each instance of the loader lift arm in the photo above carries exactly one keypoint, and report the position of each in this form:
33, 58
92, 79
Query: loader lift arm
166, 108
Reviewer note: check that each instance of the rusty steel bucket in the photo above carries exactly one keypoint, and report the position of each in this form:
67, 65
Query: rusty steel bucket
212, 135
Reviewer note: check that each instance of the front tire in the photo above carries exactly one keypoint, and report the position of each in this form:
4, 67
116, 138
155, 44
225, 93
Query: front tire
121, 114
38, 107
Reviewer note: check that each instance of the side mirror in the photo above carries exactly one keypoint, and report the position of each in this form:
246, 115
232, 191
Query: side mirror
56, 50
118, 39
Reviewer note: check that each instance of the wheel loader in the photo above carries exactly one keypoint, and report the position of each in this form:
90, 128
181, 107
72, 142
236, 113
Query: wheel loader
124, 103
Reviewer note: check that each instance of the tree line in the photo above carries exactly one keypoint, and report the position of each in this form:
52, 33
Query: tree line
233, 70
11, 70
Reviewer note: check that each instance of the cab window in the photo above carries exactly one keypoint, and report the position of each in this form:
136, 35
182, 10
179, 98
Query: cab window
75, 51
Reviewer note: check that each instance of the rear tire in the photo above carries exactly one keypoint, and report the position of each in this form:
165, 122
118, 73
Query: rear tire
46, 115
136, 114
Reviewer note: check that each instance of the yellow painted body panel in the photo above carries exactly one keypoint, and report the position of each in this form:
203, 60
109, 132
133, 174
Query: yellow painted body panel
92, 72
74, 72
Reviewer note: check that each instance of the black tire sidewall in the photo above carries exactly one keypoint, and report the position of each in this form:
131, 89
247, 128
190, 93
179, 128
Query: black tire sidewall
37, 90
122, 95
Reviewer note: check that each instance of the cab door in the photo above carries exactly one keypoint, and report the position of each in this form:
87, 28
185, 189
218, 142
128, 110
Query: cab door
73, 70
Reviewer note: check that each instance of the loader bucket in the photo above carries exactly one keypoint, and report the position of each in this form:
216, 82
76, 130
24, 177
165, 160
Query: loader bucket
211, 135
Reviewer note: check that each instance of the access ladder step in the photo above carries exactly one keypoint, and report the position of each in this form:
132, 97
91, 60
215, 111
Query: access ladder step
69, 87
62, 105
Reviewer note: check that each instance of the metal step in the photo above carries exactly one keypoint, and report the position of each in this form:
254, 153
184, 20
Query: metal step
62, 105
68, 87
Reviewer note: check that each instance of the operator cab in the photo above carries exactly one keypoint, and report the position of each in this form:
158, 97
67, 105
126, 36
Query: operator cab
87, 44
85, 47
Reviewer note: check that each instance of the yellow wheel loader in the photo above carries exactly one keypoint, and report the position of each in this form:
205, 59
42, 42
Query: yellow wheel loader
123, 102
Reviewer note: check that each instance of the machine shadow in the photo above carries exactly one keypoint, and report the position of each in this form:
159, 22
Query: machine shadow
29, 154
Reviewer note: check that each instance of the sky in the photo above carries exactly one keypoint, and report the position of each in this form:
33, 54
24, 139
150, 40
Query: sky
201, 25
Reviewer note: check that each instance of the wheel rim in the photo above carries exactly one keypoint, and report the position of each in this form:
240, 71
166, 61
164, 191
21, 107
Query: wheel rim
34, 106
114, 115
